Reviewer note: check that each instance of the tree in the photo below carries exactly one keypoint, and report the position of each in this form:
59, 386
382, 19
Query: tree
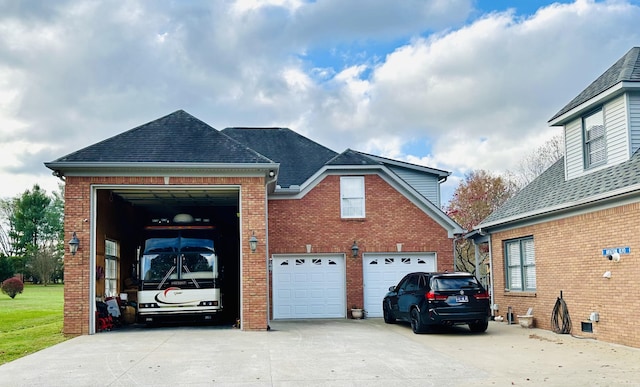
35, 224
477, 196
533, 164
43, 264
6, 267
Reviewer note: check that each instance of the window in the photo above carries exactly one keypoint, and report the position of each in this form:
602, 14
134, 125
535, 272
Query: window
352, 196
594, 139
520, 267
111, 252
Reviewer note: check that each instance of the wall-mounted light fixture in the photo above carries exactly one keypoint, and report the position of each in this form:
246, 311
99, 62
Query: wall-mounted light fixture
253, 242
354, 249
73, 244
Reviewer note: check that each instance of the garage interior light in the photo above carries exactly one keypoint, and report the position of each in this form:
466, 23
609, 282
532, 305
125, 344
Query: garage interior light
253, 242
73, 244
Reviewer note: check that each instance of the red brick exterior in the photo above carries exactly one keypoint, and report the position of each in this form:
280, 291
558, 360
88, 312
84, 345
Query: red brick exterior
390, 218
77, 268
315, 219
569, 258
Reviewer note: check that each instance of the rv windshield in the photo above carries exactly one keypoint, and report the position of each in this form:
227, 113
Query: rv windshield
178, 259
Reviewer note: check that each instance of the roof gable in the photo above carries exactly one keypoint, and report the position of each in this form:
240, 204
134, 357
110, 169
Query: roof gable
299, 157
626, 68
175, 138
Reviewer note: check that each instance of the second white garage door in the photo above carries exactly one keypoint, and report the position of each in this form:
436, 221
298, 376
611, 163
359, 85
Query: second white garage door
382, 270
308, 287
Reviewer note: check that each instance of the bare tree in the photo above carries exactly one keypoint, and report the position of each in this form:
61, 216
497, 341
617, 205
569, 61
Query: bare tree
537, 161
44, 263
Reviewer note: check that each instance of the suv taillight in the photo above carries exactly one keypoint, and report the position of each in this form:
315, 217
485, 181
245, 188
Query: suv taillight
482, 296
432, 296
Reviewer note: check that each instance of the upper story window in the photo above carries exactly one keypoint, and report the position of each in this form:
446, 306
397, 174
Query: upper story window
352, 196
520, 265
594, 139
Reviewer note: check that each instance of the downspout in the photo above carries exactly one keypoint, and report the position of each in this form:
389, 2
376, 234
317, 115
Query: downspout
493, 310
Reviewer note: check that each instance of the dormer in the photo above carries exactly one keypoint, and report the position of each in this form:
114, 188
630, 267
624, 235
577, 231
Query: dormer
602, 124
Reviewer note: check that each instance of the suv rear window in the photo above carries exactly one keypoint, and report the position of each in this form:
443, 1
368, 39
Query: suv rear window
454, 283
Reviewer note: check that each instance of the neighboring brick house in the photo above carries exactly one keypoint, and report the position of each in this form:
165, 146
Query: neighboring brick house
307, 205
564, 232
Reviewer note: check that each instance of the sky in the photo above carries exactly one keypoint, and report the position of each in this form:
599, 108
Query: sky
457, 85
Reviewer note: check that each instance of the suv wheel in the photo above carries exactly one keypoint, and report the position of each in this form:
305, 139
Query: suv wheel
416, 322
386, 313
479, 327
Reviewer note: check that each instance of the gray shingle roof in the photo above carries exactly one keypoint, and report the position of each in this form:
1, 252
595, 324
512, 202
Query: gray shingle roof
351, 157
550, 192
178, 137
626, 68
299, 157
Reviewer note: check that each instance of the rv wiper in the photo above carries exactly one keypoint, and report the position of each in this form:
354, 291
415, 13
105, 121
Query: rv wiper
166, 276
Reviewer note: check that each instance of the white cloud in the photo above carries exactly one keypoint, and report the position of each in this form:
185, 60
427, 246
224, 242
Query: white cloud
477, 94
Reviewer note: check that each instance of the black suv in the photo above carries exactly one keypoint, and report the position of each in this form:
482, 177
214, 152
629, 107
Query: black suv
427, 299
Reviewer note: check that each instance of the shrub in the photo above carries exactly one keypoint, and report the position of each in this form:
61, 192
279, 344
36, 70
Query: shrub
12, 286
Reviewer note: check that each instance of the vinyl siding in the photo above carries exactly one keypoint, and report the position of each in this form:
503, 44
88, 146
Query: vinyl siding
427, 185
615, 118
574, 151
617, 138
634, 120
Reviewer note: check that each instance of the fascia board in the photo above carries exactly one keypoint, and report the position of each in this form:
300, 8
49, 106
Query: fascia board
154, 169
591, 201
607, 94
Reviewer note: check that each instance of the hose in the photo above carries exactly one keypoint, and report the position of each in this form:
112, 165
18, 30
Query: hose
560, 313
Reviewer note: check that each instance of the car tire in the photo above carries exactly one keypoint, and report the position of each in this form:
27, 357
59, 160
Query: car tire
416, 321
479, 327
387, 315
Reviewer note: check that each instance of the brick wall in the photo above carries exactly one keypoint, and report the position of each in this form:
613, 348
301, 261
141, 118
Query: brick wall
569, 259
77, 268
390, 219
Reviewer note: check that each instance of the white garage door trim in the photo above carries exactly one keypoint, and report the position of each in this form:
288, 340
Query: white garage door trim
382, 270
309, 286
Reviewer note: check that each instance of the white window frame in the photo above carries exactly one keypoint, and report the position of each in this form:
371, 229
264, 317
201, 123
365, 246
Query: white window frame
595, 143
520, 265
111, 258
352, 198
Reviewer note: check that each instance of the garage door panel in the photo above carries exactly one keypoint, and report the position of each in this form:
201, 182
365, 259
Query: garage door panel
380, 271
318, 285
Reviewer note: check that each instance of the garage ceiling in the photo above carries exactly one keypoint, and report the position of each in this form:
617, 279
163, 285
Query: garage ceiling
163, 198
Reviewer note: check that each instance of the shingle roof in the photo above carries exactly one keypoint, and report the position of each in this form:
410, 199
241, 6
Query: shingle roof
351, 157
178, 137
550, 191
626, 68
299, 157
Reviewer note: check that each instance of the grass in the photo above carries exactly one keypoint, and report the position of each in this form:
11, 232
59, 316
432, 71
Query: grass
31, 321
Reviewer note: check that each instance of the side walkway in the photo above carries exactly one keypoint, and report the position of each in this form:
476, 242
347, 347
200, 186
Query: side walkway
326, 352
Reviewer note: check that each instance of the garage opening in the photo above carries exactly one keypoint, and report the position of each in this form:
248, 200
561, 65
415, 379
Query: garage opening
159, 250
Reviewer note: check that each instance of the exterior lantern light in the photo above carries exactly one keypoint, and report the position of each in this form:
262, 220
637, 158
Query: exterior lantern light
355, 249
73, 244
253, 242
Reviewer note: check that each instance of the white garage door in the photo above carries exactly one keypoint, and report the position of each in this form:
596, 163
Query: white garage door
308, 287
380, 271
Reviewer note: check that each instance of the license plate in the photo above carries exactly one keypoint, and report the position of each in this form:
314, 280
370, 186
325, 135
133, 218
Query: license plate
462, 299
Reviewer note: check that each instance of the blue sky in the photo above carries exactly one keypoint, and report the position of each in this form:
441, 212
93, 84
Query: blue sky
451, 84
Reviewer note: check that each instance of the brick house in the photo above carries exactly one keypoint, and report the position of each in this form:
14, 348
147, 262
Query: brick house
574, 228
307, 206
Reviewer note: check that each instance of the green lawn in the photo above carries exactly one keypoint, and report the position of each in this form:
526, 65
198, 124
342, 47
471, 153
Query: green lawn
31, 321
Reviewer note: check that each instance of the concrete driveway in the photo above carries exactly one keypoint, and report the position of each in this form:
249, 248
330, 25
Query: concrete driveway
326, 353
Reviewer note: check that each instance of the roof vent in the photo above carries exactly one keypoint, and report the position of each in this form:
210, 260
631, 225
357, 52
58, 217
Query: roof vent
183, 218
